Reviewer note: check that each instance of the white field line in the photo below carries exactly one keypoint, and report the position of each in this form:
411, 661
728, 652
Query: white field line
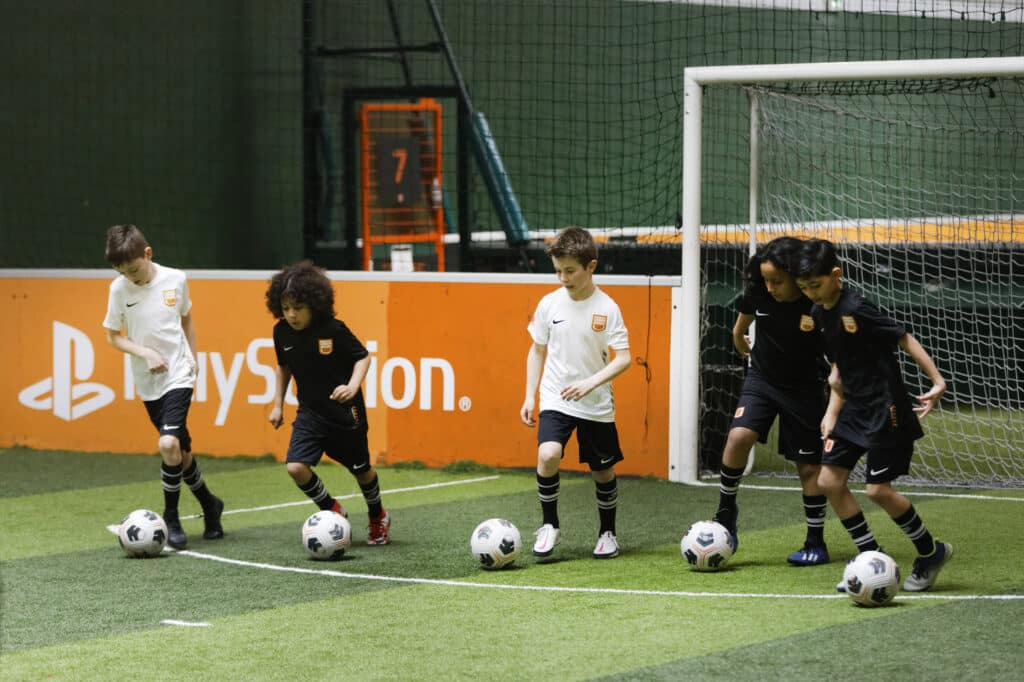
113, 527
577, 590
184, 623
908, 493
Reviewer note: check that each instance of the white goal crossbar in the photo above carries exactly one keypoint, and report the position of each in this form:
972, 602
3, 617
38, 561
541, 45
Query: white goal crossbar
684, 418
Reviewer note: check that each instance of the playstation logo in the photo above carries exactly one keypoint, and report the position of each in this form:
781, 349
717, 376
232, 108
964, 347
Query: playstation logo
66, 392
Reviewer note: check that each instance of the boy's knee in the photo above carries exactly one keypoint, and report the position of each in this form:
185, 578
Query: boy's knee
549, 456
300, 473
170, 447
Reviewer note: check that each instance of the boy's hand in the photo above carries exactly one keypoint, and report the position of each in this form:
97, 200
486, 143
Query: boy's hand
930, 399
154, 361
526, 413
343, 393
577, 390
276, 417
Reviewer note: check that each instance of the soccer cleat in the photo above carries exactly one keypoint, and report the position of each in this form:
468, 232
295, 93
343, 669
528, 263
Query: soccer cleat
809, 555
176, 537
926, 568
378, 532
211, 520
727, 517
547, 537
607, 546
338, 509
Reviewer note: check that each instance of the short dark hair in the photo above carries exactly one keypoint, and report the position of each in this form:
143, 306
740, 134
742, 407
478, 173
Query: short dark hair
817, 258
573, 242
303, 283
782, 252
125, 243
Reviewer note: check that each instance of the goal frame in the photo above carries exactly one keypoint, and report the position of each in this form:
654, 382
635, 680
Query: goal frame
684, 415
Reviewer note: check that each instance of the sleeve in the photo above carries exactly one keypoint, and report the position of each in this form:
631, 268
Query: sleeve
877, 324
618, 335
746, 305
115, 313
281, 360
539, 327
348, 342
185, 300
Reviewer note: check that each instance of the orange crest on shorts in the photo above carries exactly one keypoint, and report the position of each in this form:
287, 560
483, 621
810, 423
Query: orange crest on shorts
598, 322
806, 323
829, 443
326, 346
170, 297
850, 324
739, 412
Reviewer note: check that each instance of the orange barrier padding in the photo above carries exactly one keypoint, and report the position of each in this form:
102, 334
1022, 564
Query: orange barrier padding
445, 383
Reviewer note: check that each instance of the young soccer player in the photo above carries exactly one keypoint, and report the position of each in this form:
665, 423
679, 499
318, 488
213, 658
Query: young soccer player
329, 364
572, 330
869, 410
785, 379
151, 304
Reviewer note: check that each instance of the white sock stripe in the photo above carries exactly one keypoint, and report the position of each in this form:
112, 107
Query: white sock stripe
548, 498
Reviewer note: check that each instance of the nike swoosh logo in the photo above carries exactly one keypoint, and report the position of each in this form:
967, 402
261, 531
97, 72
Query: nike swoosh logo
170, 428
131, 304
287, 348
758, 313
875, 472
805, 452
557, 321
607, 461
357, 467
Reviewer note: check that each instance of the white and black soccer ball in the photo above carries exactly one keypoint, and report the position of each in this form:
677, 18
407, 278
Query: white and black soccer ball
496, 543
326, 535
872, 579
707, 546
142, 534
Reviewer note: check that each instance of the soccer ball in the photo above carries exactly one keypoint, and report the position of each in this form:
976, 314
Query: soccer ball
872, 579
496, 543
707, 546
142, 534
326, 535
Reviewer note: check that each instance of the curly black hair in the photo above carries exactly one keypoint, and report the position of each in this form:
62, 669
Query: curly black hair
782, 252
303, 283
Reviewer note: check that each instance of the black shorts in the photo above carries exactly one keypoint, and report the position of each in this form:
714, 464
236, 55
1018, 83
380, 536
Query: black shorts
169, 414
883, 464
313, 436
799, 414
598, 441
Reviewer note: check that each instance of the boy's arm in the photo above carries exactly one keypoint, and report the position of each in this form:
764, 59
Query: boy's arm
835, 402
346, 392
619, 364
534, 364
284, 377
154, 360
739, 333
189, 327
916, 351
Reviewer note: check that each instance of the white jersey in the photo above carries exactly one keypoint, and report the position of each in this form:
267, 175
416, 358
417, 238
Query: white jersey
577, 335
151, 315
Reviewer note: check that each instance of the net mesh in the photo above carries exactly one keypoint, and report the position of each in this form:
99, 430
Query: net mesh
920, 185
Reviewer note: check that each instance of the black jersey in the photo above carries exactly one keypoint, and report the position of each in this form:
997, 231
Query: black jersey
788, 351
321, 358
863, 342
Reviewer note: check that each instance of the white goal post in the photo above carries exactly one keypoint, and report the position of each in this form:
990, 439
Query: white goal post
685, 414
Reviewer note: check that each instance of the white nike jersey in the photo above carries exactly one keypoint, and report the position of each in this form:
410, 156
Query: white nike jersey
151, 316
578, 335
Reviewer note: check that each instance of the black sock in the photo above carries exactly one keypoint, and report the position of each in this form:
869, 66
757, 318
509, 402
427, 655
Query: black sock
314, 489
371, 493
814, 510
607, 499
547, 491
728, 486
194, 480
918, 533
857, 527
170, 478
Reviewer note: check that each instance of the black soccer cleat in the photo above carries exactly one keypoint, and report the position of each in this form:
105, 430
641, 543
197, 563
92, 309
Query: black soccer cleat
211, 520
176, 537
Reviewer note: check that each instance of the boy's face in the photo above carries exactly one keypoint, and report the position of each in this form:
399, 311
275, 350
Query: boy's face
578, 279
297, 315
780, 284
139, 270
823, 289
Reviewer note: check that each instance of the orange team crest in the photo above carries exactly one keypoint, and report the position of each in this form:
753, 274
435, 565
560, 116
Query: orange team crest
598, 322
806, 323
850, 324
326, 346
739, 412
170, 297
829, 444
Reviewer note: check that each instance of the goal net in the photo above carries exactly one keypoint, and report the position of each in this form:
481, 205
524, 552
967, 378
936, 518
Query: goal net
915, 169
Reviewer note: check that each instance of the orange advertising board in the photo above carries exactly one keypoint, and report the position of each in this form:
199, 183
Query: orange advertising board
448, 366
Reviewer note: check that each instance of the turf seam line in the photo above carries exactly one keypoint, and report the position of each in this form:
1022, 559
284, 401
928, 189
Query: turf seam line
908, 493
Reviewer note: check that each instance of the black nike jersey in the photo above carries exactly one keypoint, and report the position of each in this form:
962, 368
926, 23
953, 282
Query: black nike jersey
321, 358
863, 342
788, 350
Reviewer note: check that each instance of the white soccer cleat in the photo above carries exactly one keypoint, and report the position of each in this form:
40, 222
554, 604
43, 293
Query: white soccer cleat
547, 537
607, 546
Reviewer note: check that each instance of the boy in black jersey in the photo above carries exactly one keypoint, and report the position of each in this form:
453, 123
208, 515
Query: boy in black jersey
329, 365
869, 410
785, 378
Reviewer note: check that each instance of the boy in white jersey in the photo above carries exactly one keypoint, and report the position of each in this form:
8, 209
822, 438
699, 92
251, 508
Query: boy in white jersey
151, 304
572, 330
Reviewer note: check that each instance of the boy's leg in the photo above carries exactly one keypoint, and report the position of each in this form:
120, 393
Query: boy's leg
170, 479
607, 492
833, 480
312, 487
380, 520
932, 555
734, 460
549, 458
814, 551
212, 505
